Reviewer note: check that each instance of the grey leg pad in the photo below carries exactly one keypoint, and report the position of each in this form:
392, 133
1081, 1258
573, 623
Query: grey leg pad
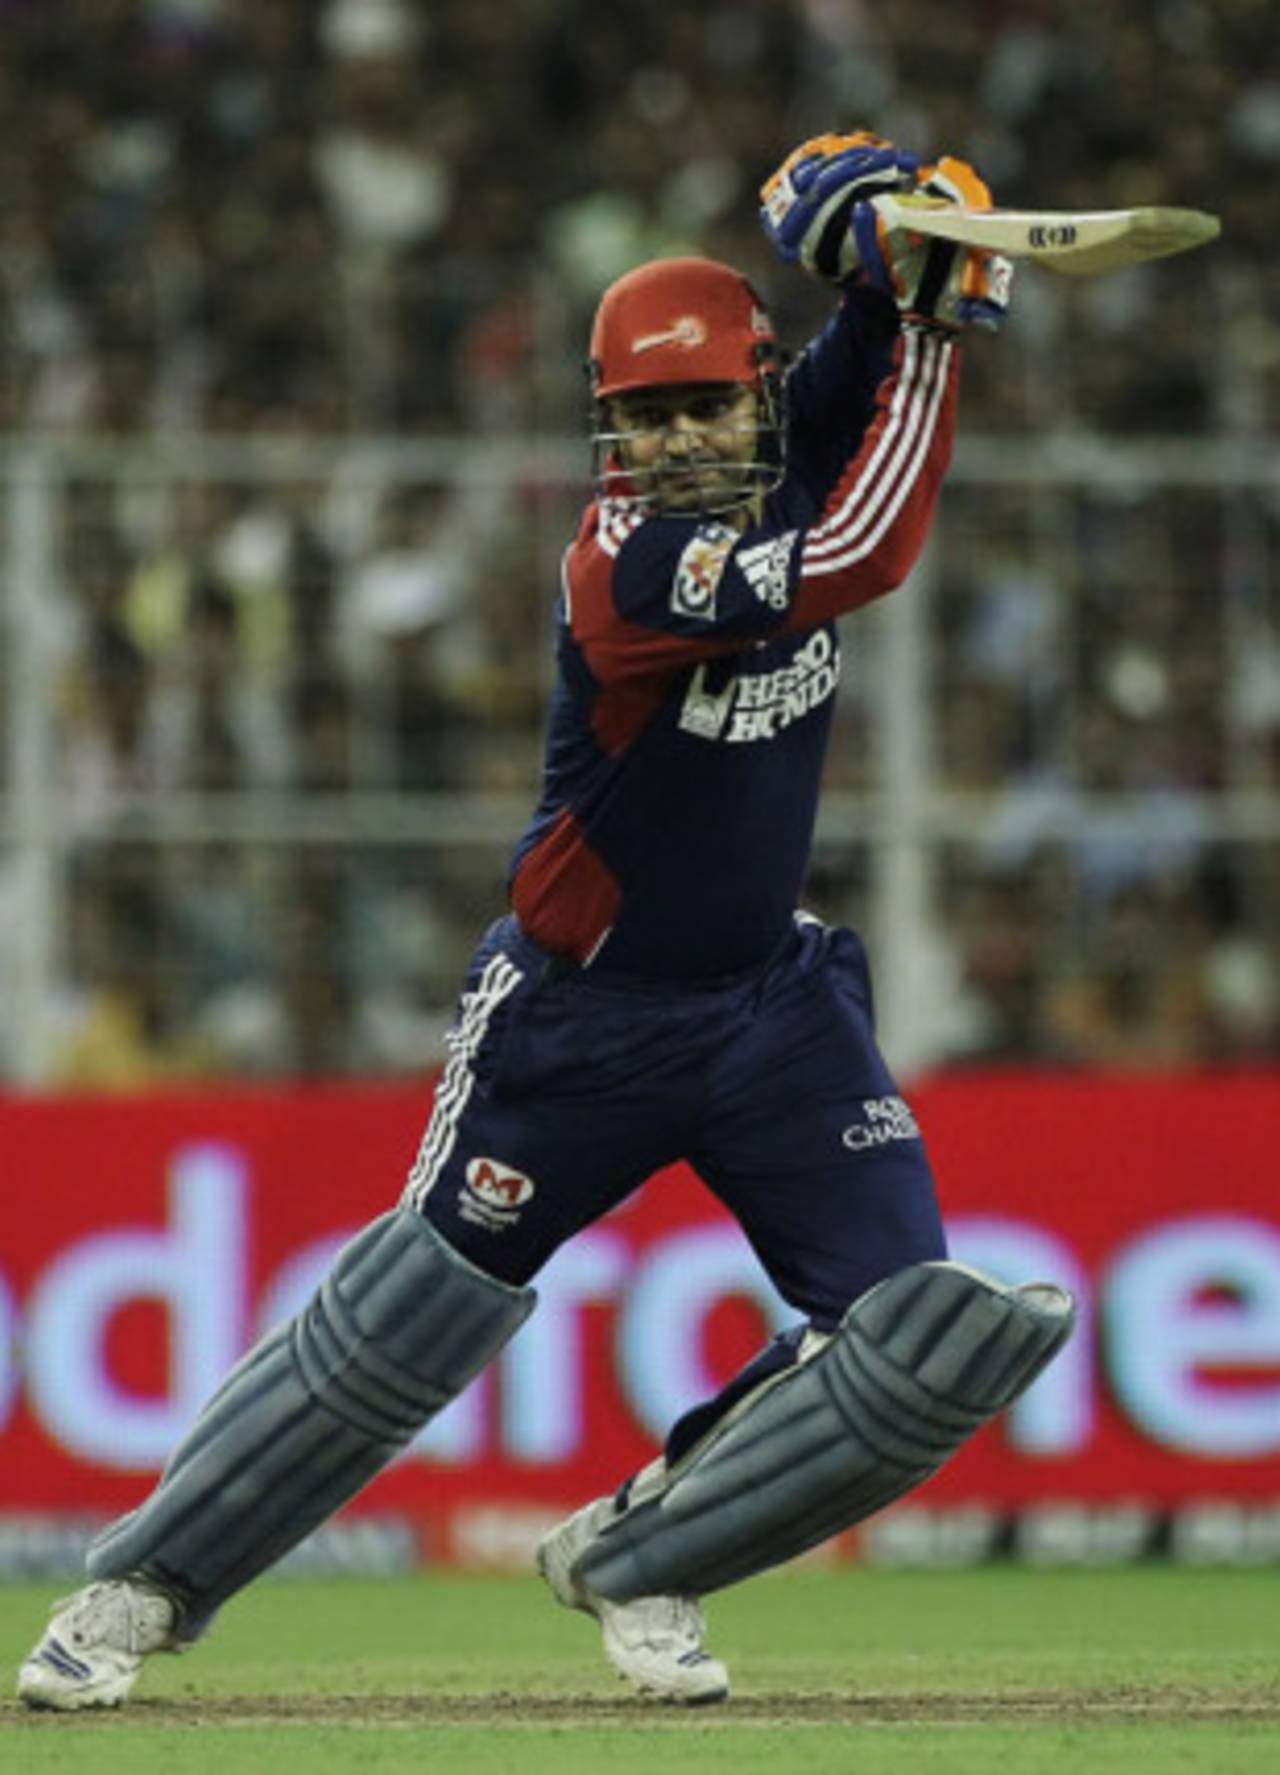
399, 1326
919, 1362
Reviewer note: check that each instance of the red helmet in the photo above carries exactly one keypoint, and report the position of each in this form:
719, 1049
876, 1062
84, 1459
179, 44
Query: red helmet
679, 320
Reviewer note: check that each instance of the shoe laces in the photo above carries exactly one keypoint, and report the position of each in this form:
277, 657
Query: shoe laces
118, 1615
674, 1622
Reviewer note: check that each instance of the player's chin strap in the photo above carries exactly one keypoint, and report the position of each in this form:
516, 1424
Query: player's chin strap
917, 1365
400, 1324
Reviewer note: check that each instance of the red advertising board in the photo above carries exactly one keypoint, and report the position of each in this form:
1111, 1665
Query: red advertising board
147, 1241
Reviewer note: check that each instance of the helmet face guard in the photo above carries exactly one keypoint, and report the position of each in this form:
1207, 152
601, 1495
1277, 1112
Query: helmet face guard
680, 322
733, 484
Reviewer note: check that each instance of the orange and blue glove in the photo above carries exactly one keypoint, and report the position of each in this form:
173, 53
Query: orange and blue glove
936, 282
819, 211
807, 204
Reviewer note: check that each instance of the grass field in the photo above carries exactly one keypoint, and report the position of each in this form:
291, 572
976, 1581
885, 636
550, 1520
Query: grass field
869, 1672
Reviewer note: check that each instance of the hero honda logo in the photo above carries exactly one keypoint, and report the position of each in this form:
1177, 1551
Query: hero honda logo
494, 1194
760, 705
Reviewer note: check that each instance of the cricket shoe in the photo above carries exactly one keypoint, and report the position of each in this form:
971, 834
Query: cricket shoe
653, 1641
93, 1647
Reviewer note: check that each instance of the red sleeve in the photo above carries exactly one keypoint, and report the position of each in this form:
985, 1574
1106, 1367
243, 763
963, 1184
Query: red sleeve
877, 517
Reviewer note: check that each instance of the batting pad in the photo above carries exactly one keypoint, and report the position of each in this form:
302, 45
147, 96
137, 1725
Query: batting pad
918, 1364
399, 1326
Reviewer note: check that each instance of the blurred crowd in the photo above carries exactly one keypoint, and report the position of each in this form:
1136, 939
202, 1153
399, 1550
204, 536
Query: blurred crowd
295, 700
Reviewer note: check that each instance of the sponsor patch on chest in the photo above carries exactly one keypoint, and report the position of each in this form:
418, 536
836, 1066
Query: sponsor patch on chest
760, 705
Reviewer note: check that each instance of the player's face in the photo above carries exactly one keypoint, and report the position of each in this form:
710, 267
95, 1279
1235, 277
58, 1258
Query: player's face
688, 446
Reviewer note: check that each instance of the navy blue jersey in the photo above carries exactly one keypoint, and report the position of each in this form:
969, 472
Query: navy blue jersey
698, 665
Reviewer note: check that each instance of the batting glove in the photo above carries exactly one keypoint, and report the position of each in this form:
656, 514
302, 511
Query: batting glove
936, 282
806, 205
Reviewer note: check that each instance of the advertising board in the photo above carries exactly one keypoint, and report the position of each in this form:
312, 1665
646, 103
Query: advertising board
148, 1241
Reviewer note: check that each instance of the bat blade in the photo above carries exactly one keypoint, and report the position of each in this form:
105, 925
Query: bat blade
1076, 243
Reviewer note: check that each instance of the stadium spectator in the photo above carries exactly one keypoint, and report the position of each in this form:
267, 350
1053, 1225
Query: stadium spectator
225, 220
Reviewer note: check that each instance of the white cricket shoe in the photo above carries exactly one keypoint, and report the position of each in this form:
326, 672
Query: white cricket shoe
653, 1641
93, 1647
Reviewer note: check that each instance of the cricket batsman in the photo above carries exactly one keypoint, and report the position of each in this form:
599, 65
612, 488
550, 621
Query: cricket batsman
654, 994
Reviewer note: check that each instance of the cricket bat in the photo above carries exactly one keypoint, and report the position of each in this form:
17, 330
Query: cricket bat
1078, 243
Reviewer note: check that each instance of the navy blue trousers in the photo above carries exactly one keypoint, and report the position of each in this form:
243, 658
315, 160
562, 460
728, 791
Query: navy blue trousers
565, 1088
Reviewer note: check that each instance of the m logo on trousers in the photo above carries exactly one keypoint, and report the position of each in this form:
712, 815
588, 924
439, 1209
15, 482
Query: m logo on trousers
498, 1184
494, 1194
